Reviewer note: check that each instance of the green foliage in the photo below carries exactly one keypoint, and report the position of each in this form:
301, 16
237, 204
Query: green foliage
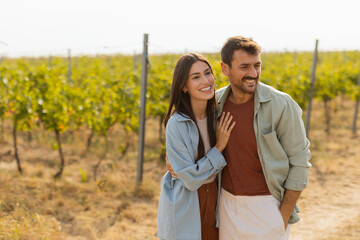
54, 146
51, 88
3, 83
17, 100
159, 85
83, 175
105, 90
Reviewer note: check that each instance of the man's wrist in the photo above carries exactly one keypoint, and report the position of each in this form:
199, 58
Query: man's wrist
288, 203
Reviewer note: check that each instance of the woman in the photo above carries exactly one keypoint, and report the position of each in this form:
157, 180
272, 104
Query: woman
188, 203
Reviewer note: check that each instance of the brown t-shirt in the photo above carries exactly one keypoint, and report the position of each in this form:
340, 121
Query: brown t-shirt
243, 174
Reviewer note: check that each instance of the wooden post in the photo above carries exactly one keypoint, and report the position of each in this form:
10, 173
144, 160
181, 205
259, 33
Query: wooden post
135, 60
356, 109
344, 56
144, 65
50, 62
109, 62
311, 88
69, 66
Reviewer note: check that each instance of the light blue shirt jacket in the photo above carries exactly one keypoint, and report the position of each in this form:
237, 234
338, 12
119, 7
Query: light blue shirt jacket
178, 211
282, 145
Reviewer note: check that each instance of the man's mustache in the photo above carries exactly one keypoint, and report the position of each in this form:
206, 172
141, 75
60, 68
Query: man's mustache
251, 78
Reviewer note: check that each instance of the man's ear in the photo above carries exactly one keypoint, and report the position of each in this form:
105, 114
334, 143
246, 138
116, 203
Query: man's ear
225, 68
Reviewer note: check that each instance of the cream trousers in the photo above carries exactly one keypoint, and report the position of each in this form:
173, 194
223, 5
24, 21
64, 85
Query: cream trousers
251, 218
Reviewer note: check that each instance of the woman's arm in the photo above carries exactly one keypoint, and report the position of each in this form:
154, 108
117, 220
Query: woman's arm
180, 154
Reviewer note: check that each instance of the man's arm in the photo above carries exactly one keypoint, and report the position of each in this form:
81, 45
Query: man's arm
292, 136
288, 204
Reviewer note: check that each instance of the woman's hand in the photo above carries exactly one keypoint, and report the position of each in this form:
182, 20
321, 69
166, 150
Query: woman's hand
223, 130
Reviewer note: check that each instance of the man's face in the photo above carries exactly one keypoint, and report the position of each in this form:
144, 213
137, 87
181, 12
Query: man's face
244, 72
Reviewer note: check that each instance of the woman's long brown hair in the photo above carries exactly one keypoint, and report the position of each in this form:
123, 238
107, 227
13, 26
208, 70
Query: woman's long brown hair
180, 101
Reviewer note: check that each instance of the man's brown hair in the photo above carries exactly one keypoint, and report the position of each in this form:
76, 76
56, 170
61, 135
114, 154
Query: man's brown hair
238, 43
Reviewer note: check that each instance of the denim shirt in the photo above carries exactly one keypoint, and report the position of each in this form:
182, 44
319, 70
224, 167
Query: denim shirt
281, 140
178, 211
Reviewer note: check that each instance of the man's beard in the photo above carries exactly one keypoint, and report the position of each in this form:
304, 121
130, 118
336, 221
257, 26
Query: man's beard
242, 85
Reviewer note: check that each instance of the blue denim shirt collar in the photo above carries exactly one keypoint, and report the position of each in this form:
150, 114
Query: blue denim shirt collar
181, 117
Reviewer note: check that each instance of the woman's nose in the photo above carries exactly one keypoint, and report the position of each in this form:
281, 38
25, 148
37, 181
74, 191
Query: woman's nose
208, 78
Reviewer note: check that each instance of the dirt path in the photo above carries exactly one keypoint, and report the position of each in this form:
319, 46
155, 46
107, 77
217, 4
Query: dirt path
330, 205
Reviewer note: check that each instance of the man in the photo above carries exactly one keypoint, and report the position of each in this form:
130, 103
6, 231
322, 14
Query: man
267, 155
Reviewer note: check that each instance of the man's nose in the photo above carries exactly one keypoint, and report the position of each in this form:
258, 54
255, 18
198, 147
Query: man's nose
253, 73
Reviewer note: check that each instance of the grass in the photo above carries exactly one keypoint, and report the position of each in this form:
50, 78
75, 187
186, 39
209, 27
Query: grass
20, 222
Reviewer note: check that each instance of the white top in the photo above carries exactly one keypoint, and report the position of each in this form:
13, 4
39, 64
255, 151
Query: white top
202, 124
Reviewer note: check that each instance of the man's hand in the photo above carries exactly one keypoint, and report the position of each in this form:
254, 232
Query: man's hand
169, 168
288, 204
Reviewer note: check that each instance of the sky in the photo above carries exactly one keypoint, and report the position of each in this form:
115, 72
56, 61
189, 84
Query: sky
51, 27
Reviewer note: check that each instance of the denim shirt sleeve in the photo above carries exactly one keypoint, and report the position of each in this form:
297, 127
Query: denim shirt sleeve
292, 136
181, 157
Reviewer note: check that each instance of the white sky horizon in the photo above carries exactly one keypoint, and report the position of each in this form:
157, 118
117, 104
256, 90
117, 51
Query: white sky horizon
51, 27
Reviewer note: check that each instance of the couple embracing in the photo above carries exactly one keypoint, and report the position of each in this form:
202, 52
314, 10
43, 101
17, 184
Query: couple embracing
238, 158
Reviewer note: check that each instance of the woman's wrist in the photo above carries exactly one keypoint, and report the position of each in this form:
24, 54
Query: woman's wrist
219, 147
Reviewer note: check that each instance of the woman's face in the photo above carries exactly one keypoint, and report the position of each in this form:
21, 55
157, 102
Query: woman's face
200, 84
